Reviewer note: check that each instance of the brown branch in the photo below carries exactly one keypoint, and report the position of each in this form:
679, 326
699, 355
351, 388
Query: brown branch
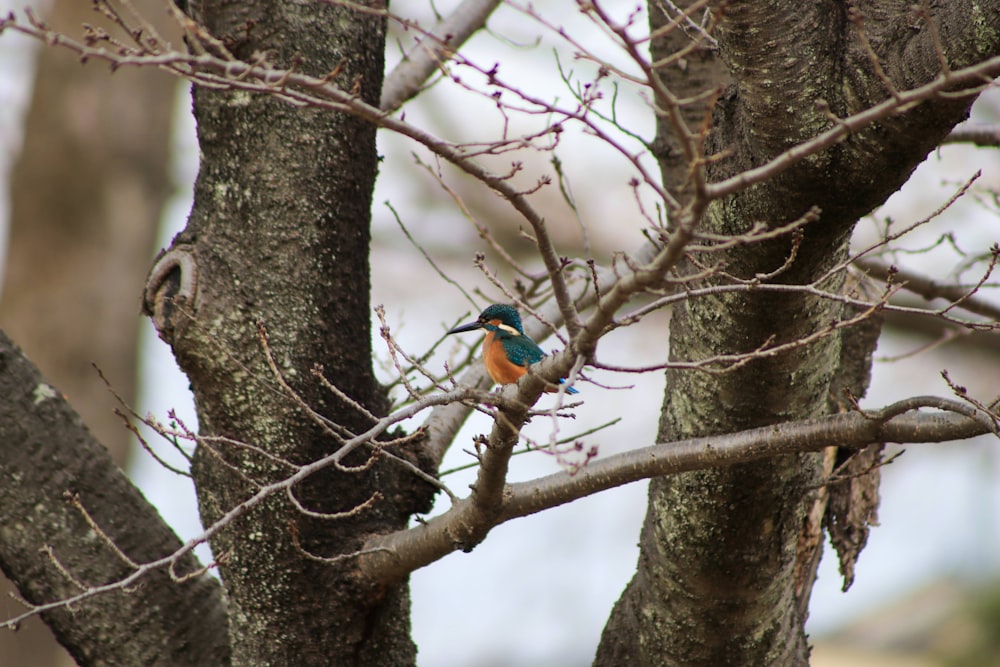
301, 89
929, 289
982, 135
691, 142
408, 77
421, 545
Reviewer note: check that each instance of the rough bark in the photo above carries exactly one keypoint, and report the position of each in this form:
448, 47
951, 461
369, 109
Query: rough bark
716, 573
47, 456
279, 235
700, 70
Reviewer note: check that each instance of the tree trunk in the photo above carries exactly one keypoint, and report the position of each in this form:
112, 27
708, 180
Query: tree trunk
715, 583
279, 235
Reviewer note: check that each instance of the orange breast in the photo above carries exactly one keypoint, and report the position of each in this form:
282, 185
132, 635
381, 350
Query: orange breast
497, 365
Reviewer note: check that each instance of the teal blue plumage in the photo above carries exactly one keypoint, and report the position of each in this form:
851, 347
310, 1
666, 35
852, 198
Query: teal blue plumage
507, 350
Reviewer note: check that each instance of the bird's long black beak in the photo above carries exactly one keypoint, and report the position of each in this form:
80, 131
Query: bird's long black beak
471, 326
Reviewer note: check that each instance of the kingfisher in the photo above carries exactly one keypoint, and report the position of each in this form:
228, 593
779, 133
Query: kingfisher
507, 350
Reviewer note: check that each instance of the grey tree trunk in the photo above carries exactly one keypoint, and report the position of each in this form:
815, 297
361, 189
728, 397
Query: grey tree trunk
716, 578
279, 236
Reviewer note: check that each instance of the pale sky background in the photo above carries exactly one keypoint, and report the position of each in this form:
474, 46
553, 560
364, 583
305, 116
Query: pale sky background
539, 589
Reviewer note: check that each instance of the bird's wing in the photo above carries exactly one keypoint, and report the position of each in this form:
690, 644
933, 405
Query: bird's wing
522, 351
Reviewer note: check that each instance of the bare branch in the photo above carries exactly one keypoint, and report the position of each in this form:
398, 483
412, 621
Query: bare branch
413, 548
980, 134
930, 289
409, 76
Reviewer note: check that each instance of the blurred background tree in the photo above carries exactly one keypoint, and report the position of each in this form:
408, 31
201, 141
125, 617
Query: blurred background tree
86, 196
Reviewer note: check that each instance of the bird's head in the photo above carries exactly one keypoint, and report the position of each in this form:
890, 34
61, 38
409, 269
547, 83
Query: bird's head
498, 317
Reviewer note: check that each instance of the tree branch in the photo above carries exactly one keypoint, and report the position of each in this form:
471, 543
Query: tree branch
930, 289
45, 453
390, 557
408, 77
852, 430
980, 134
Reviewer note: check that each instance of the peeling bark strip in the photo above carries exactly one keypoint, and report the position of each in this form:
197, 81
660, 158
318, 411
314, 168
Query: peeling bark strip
46, 453
853, 507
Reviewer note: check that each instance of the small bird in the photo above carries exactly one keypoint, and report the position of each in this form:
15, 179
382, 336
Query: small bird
507, 350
